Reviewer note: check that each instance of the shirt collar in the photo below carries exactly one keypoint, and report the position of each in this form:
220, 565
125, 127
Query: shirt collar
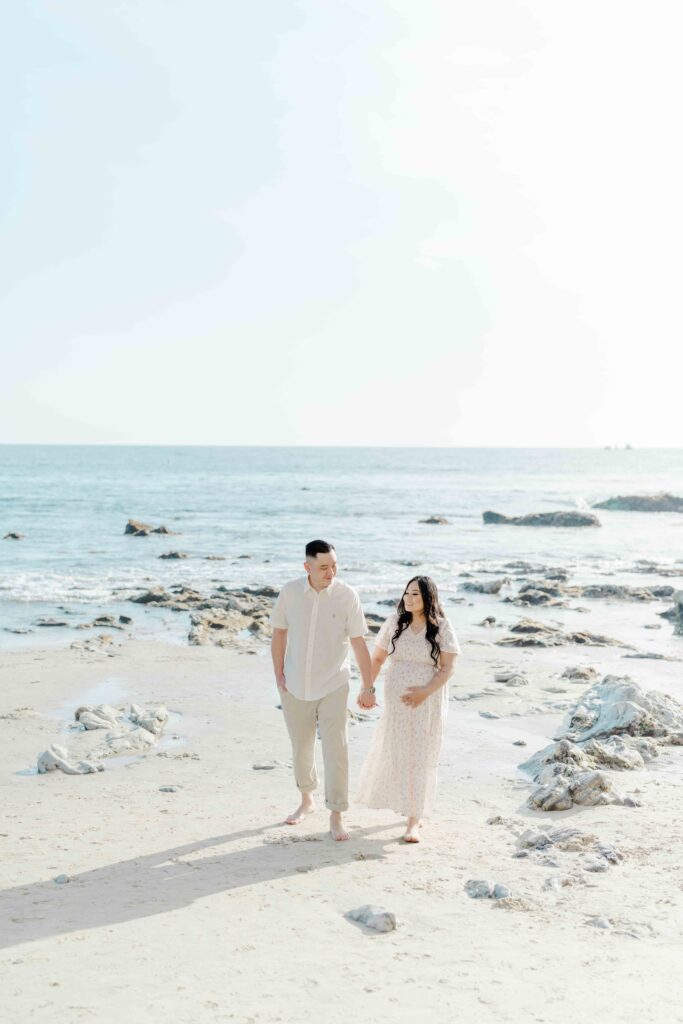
311, 590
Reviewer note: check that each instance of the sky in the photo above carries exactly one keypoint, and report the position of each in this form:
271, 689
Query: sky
357, 222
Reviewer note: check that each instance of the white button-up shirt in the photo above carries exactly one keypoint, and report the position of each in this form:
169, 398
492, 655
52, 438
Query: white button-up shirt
319, 626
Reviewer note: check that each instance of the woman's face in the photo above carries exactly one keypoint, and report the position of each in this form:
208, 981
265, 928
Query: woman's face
412, 599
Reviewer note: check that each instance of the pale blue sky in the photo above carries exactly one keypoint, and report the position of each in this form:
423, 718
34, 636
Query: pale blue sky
341, 222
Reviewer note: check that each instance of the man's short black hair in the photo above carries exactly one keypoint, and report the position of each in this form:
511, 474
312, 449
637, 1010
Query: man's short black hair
318, 547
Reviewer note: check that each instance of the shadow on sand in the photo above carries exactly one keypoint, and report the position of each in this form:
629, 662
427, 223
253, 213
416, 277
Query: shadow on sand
170, 879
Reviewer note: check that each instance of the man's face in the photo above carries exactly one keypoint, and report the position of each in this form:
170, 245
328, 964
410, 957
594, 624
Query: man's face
322, 569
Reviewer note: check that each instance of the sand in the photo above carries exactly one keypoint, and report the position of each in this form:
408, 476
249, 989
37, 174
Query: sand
188, 900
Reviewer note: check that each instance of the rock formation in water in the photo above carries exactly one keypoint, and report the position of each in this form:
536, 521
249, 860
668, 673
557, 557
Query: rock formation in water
530, 633
487, 587
568, 518
137, 529
661, 502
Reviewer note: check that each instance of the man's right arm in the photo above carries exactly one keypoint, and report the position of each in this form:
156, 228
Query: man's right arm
278, 646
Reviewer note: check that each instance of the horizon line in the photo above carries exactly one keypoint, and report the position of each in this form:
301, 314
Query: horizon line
323, 447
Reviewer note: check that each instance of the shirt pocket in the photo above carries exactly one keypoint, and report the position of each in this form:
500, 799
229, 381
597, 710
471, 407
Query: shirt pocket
335, 625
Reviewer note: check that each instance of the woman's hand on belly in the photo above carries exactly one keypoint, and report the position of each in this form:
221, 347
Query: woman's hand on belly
414, 696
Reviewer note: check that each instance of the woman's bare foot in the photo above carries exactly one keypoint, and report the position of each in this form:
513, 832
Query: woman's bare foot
412, 833
305, 807
337, 830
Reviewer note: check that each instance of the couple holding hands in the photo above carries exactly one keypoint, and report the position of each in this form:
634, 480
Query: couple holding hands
314, 619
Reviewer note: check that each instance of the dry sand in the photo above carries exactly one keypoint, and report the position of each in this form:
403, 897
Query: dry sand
199, 905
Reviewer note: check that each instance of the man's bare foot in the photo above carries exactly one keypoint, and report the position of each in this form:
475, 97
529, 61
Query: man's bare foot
412, 833
305, 807
337, 830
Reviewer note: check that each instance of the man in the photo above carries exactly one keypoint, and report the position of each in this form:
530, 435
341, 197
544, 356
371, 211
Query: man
313, 620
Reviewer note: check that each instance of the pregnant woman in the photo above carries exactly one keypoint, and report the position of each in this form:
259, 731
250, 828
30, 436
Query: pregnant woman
400, 771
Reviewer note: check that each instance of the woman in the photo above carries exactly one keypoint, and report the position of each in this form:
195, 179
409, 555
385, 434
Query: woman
400, 771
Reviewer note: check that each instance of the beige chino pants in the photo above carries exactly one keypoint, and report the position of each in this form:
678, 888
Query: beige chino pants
330, 715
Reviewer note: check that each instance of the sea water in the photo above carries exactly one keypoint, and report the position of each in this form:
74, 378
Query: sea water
255, 508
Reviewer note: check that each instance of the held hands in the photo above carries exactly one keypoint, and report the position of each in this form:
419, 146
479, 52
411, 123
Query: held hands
366, 700
414, 696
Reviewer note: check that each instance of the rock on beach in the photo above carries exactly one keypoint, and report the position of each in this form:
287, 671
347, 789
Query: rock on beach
531, 633
615, 726
374, 917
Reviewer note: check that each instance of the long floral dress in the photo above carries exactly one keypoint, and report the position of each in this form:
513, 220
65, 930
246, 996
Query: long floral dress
400, 771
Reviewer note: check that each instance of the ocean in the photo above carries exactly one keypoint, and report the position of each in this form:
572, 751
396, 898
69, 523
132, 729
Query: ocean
255, 508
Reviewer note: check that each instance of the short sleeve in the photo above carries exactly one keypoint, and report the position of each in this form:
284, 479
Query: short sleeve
383, 638
448, 641
278, 616
355, 622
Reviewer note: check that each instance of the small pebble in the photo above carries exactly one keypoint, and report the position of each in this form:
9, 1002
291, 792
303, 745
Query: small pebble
169, 789
61, 879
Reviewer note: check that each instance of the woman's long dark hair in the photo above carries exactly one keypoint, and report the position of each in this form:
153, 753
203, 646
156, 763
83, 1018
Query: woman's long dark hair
433, 613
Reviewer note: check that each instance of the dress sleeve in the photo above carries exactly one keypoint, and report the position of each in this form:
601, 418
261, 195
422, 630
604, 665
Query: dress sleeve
383, 638
278, 616
448, 641
356, 624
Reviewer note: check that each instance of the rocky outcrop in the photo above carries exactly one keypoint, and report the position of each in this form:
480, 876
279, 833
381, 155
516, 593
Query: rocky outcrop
618, 706
436, 521
661, 502
173, 554
530, 633
137, 529
56, 758
588, 788
568, 518
105, 622
220, 618
678, 613
14, 536
152, 719
616, 726
179, 599
217, 626
103, 716
487, 587
645, 566
580, 674
540, 593
554, 594
625, 593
